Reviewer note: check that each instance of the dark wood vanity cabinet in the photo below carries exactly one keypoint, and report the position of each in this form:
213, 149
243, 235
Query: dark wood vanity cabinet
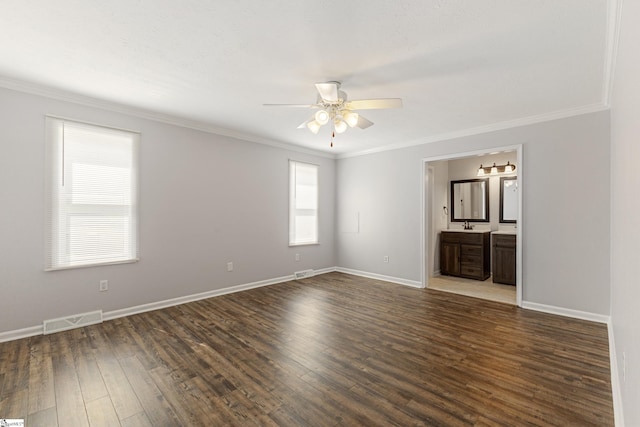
465, 254
504, 258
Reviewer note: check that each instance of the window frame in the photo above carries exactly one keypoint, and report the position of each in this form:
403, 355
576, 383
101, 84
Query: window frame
292, 200
54, 208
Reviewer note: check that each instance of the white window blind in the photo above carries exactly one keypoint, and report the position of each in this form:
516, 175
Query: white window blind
303, 203
91, 189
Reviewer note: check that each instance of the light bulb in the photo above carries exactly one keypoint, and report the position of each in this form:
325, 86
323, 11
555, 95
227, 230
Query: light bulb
351, 118
494, 169
481, 171
322, 117
339, 125
313, 126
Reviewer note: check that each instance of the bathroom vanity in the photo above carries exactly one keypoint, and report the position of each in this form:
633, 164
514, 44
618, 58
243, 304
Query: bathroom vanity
465, 253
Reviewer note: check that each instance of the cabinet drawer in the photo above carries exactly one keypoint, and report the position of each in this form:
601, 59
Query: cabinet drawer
470, 270
504, 241
471, 250
450, 237
475, 260
462, 237
473, 238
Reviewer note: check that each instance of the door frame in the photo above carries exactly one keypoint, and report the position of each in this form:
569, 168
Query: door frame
426, 190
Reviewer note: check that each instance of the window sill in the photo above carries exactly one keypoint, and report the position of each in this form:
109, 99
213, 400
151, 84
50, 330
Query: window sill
97, 264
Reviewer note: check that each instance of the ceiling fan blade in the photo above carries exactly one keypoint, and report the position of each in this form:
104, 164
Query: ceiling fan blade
373, 104
292, 105
328, 91
363, 123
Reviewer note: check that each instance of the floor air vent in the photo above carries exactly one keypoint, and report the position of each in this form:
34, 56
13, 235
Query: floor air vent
71, 322
302, 274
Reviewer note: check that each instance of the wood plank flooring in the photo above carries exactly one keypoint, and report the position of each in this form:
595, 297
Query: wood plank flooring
332, 350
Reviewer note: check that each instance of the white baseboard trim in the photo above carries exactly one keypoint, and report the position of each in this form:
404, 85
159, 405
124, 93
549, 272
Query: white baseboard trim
21, 333
114, 314
567, 312
616, 391
324, 270
109, 315
613, 359
398, 280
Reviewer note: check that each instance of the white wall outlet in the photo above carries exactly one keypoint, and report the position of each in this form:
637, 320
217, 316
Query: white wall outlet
229, 266
104, 285
386, 258
297, 257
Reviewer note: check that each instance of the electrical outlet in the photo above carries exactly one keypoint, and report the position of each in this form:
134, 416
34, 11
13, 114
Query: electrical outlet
229, 266
104, 285
297, 257
386, 258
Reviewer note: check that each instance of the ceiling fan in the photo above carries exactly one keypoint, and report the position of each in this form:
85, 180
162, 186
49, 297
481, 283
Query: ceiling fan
334, 108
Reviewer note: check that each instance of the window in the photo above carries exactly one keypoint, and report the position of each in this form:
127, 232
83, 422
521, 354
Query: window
303, 203
91, 195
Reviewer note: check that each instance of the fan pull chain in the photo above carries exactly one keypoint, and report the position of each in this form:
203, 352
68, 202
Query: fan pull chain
333, 135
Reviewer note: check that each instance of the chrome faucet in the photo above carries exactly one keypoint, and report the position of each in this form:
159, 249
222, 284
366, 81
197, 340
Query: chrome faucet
468, 226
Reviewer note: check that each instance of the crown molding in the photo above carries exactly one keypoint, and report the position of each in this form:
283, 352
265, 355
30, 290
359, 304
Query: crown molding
524, 121
61, 95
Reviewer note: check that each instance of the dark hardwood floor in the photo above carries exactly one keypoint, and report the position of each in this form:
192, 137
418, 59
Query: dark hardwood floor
333, 350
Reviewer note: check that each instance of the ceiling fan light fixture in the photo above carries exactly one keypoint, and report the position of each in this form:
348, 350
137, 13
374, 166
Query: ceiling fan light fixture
322, 117
351, 118
339, 125
333, 107
313, 126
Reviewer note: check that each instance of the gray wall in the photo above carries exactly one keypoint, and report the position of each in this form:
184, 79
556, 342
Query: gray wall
565, 209
625, 210
204, 200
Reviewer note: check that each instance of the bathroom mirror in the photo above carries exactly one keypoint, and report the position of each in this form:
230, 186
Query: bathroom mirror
470, 200
509, 199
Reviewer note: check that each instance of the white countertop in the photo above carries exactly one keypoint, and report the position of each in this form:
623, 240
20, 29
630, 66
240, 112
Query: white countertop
504, 232
460, 230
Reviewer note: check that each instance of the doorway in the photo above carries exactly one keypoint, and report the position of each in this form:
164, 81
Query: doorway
435, 214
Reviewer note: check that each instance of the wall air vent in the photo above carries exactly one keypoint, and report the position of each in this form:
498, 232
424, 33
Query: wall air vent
302, 274
76, 321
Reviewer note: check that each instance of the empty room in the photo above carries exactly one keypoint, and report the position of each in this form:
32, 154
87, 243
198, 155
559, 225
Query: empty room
293, 213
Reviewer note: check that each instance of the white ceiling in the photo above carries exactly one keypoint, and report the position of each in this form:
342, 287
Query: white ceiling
458, 65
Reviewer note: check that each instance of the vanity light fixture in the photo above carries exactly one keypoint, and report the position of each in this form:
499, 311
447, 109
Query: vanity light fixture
496, 169
508, 168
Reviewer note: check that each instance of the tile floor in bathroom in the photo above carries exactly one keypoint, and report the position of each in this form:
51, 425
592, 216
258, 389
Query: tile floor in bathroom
475, 288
